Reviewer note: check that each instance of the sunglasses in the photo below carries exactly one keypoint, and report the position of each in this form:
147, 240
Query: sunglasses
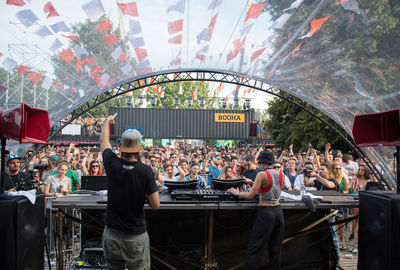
95, 166
277, 167
174, 157
337, 168
13, 156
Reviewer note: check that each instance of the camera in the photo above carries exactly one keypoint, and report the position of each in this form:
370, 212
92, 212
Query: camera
307, 171
33, 166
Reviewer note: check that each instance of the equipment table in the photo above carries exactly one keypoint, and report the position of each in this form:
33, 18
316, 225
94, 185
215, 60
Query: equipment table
331, 200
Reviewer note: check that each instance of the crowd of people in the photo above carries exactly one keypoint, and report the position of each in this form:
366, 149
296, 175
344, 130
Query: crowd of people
89, 126
60, 168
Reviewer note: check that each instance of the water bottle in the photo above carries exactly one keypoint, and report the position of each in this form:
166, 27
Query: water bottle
302, 190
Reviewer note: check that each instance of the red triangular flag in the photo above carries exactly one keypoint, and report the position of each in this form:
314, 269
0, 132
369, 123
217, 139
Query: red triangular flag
175, 40
141, 54
297, 48
94, 71
104, 25
110, 39
78, 65
57, 83
129, 9
89, 60
122, 58
34, 77
175, 27
257, 54
67, 55
71, 37
254, 11
49, 8
212, 24
16, 2
316, 25
22, 69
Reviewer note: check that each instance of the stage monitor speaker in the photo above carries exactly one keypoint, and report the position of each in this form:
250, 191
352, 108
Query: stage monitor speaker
253, 129
25, 124
373, 129
379, 234
22, 233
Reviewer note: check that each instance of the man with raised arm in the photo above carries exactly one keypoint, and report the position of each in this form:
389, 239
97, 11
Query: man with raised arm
129, 183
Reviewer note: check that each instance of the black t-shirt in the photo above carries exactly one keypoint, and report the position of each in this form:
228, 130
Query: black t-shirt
320, 186
127, 184
17, 181
251, 174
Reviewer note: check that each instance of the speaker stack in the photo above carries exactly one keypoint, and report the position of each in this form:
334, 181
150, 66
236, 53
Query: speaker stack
379, 231
22, 233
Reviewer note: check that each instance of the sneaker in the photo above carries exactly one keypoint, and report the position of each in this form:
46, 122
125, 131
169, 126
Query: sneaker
351, 238
354, 250
343, 247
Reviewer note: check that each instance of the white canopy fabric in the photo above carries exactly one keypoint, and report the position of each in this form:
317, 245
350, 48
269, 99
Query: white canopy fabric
341, 56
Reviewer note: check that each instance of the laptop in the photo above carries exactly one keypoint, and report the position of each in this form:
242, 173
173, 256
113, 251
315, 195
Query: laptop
95, 183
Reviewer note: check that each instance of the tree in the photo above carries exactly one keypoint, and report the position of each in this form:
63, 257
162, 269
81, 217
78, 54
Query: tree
289, 124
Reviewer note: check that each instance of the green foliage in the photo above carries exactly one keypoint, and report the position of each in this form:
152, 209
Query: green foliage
289, 124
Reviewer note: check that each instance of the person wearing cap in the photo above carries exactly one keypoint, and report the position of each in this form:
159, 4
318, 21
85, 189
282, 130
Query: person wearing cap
269, 223
13, 177
129, 182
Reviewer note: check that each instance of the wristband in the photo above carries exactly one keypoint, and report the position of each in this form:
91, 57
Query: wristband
237, 193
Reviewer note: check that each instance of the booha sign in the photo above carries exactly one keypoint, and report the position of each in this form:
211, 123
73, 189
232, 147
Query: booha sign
229, 117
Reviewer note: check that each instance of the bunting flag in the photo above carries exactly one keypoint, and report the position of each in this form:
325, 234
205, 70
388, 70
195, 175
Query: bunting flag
201, 57
49, 8
203, 35
71, 37
147, 90
93, 10
245, 30
136, 42
180, 92
122, 58
110, 39
161, 92
316, 25
281, 21
134, 27
176, 61
22, 69
116, 53
104, 25
152, 79
256, 54
78, 65
67, 55
214, 92
143, 64
34, 77
56, 45
89, 60
175, 27
57, 83
178, 7
237, 44
94, 71
16, 2
60, 27
254, 11
297, 48
231, 55
43, 31
194, 92
9, 63
238, 87
294, 5
214, 4
351, 16
47, 82
340, 2
26, 17
142, 83
80, 51
141, 54
219, 88
156, 89
175, 40
212, 24
129, 8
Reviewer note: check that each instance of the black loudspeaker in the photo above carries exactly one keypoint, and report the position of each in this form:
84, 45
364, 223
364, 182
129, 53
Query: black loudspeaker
253, 129
379, 231
22, 233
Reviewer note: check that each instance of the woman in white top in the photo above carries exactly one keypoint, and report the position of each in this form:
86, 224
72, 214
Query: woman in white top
58, 185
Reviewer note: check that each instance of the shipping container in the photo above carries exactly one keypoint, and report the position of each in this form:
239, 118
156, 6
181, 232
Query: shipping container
184, 123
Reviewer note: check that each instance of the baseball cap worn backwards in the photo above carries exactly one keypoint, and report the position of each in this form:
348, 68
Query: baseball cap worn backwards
131, 141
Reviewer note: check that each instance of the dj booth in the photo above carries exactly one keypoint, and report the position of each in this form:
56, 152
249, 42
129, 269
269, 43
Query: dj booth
207, 229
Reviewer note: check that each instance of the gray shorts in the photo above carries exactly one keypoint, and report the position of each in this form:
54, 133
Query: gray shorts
130, 250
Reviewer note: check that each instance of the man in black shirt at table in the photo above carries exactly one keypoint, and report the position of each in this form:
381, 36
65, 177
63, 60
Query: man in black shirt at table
323, 181
251, 170
14, 179
129, 183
